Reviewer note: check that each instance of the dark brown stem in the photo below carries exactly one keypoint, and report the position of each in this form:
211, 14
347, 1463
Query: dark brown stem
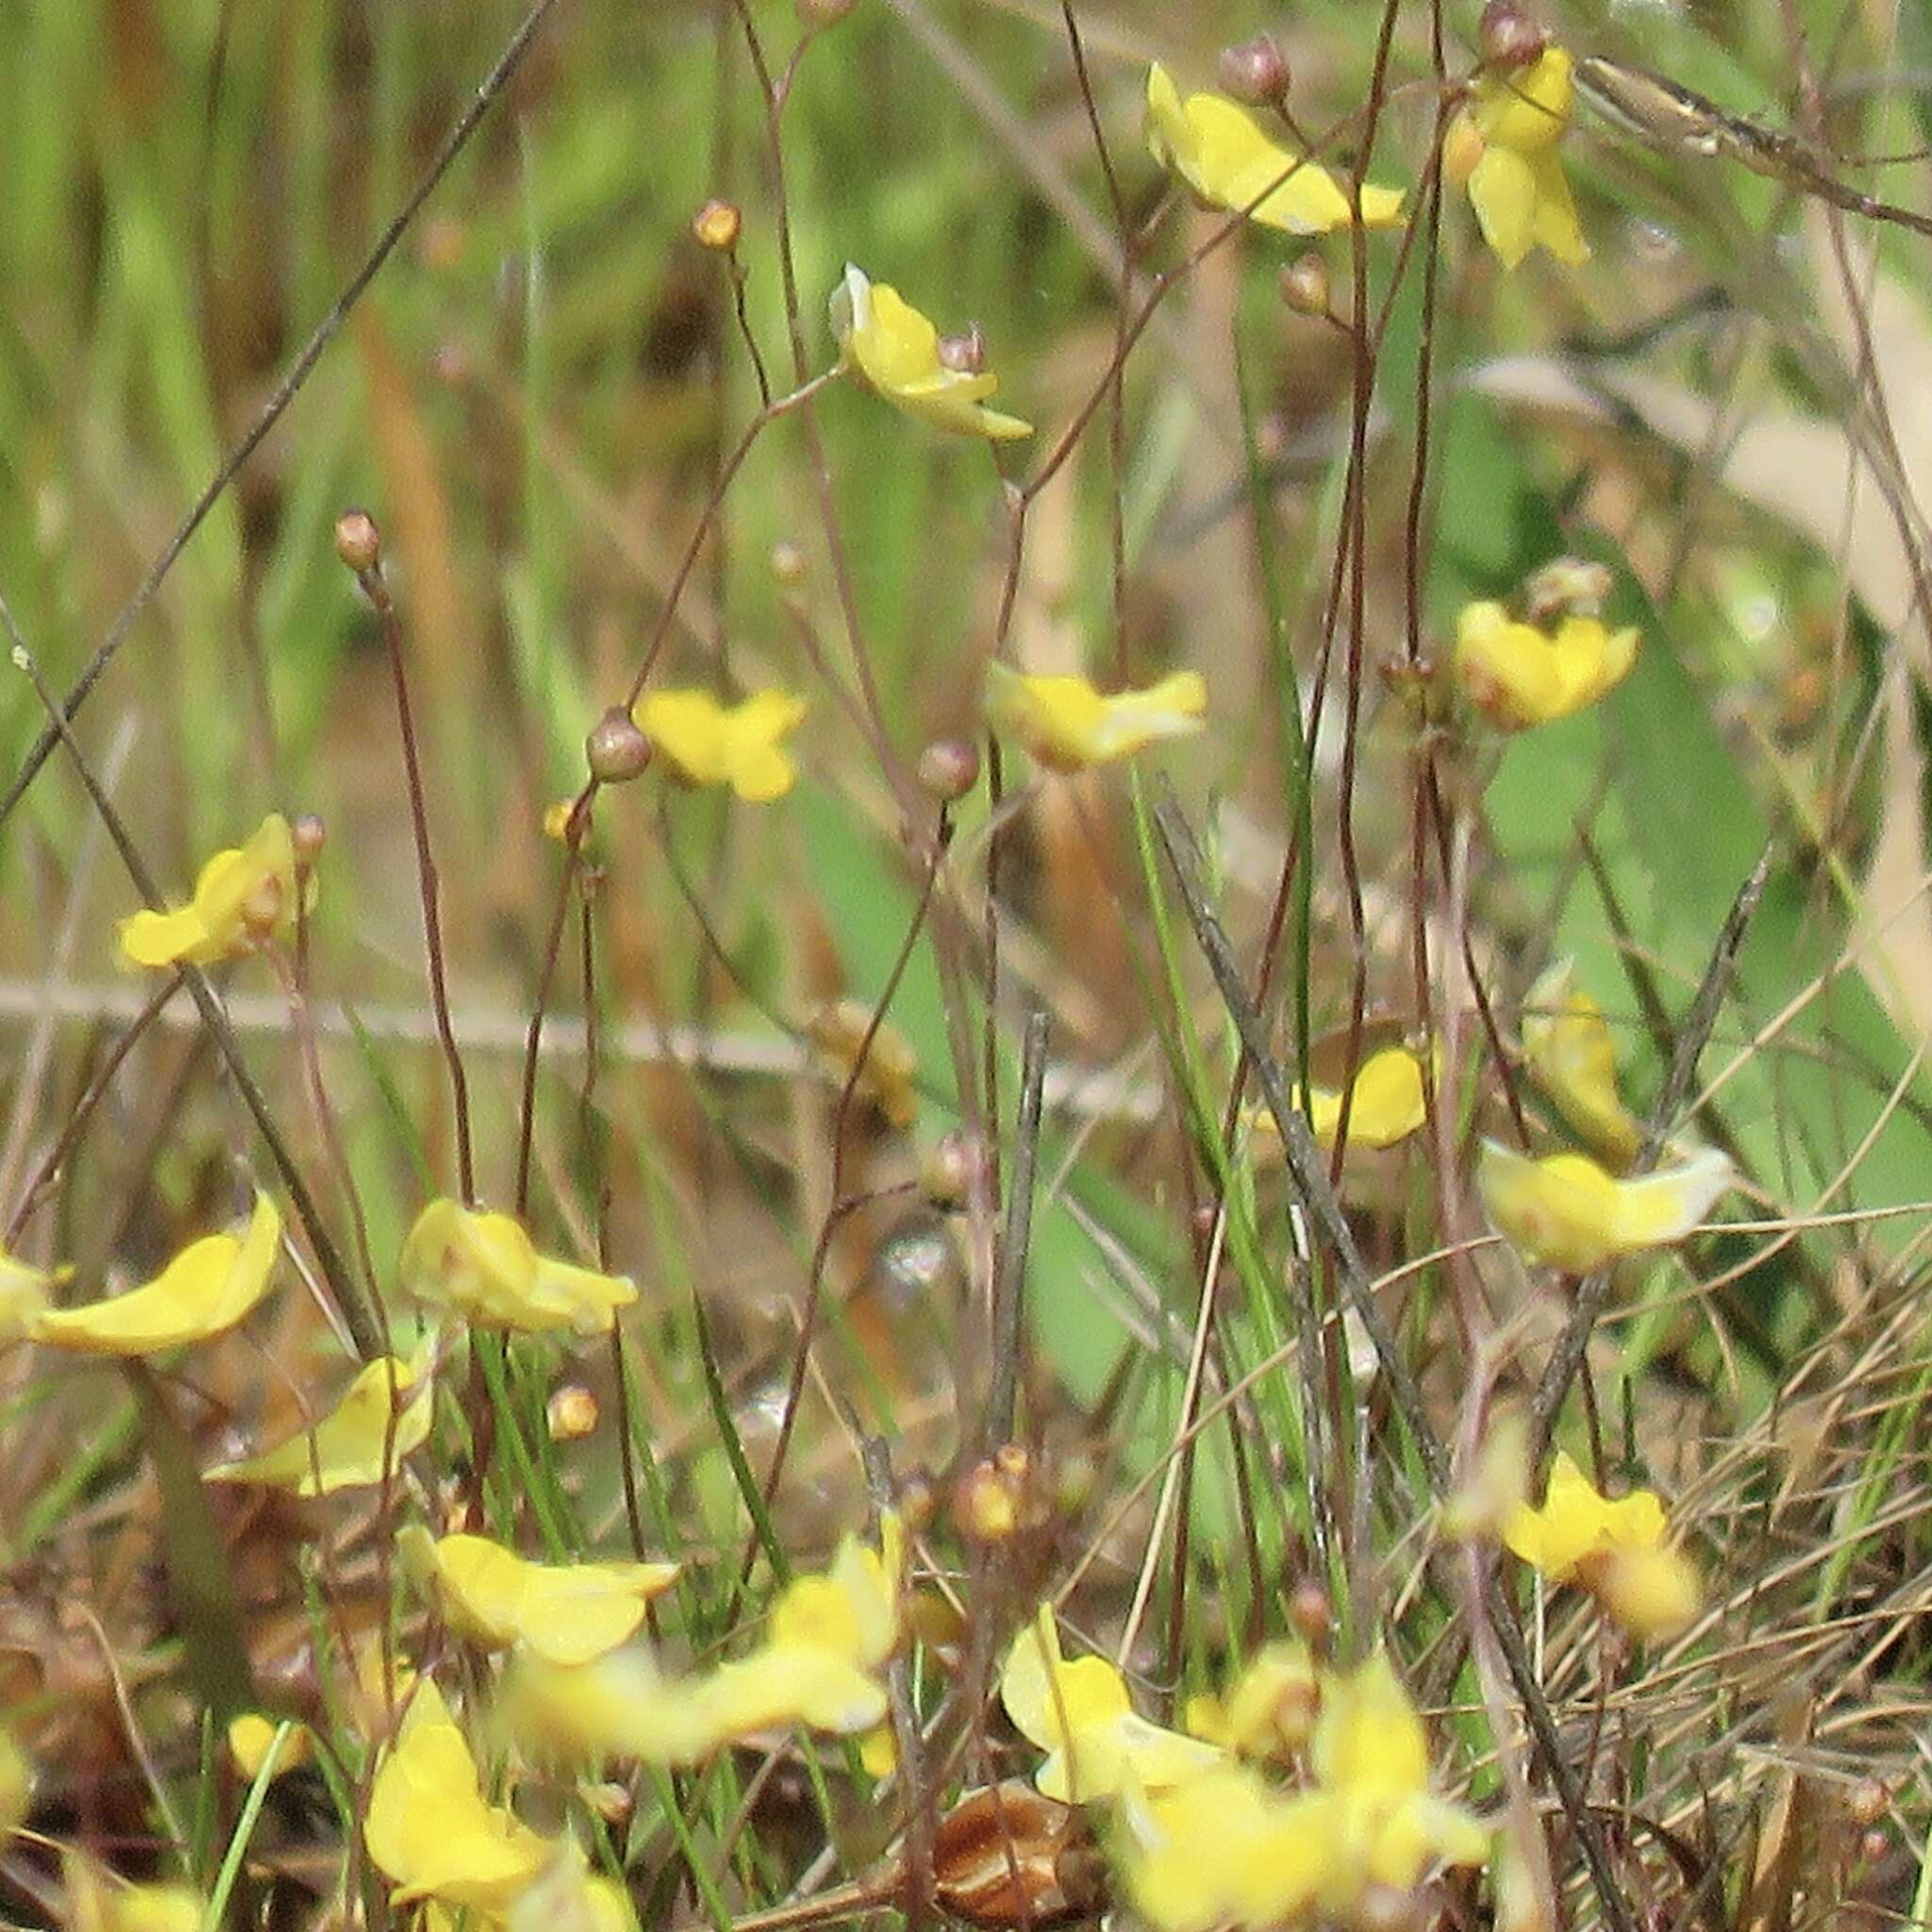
376, 590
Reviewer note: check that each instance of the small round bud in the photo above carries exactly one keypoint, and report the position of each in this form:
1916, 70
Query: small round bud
1508, 37
308, 835
609, 1800
718, 225
986, 1505
949, 1168
1203, 1220
916, 1502
788, 564
1872, 1846
1305, 285
1868, 1800
571, 1414
964, 353
359, 542
616, 749
1567, 587
1255, 71
814, 14
1312, 1612
949, 769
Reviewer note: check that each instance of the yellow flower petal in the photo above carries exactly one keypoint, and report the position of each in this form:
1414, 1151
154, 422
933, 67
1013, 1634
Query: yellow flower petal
1504, 145
1068, 726
827, 1640
566, 1613
1614, 1546
207, 1288
1575, 1521
1269, 1708
1079, 1713
1225, 1847
1220, 151
23, 1292
1389, 1102
240, 891
485, 1266
1651, 1592
1518, 675
709, 743
95, 1902
345, 1449
250, 1736
1564, 1211
430, 1830
897, 350
1568, 1048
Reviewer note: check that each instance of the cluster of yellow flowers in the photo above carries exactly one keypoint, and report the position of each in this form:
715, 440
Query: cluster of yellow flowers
1209, 1835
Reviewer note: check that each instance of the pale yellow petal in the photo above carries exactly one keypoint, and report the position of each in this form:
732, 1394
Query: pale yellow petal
206, 1288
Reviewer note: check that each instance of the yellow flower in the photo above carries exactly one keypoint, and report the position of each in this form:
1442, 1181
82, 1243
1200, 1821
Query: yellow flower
1219, 151
430, 1830
344, 1450
1222, 1847
1269, 1708
1615, 1547
1080, 1714
241, 894
1517, 675
209, 1287
566, 1613
1370, 1757
97, 1903
828, 1638
23, 1294
488, 1269
1566, 1211
1068, 726
897, 350
1502, 147
251, 1733
739, 745
1568, 1047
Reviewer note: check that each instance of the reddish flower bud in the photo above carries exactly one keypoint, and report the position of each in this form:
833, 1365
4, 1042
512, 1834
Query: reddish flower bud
359, 542
1255, 71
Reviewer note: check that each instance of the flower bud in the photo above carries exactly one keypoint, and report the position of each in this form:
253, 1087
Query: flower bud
949, 769
1567, 587
964, 353
986, 1505
1312, 1612
1872, 1846
571, 1414
359, 542
1463, 146
949, 1168
717, 225
788, 564
616, 750
308, 835
1305, 285
1255, 71
1508, 37
814, 14
1868, 1800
